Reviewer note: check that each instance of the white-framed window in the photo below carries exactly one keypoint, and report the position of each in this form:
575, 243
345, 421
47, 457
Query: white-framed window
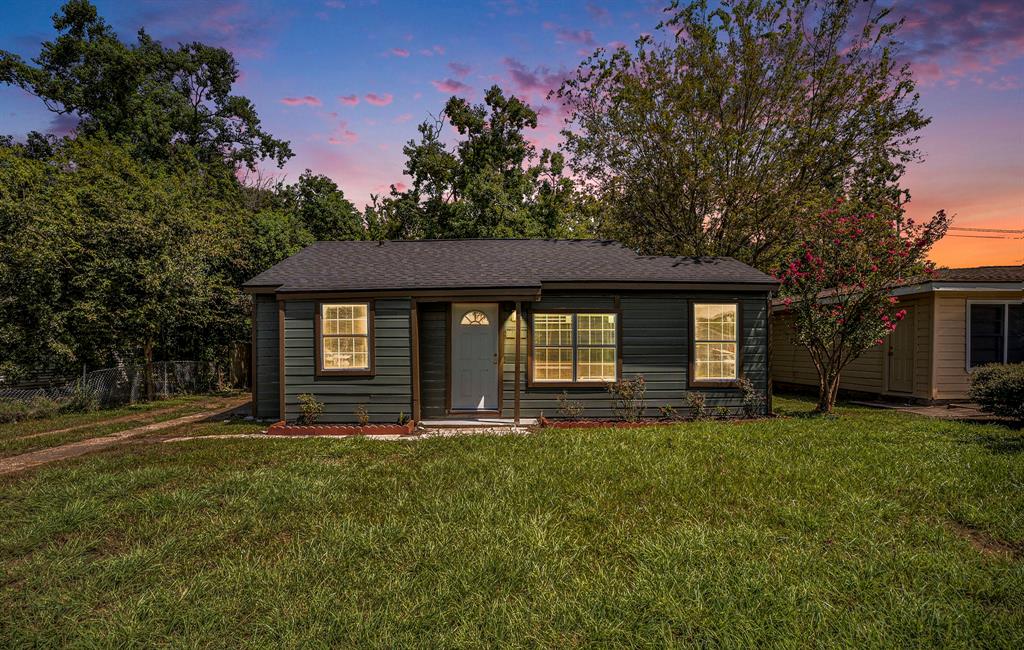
995, 332
575, 347
715, 342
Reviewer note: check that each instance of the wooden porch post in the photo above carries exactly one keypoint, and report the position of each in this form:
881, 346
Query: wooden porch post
414, 361
519, 320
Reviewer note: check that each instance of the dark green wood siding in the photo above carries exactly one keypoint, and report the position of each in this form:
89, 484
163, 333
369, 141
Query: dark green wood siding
433, 357
267, 395
655, 344
385, 395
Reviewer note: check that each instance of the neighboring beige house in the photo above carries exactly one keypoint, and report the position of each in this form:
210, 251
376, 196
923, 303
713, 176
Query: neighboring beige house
956, 321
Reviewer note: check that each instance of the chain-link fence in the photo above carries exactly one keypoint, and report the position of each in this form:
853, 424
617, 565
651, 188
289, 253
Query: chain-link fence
127, 384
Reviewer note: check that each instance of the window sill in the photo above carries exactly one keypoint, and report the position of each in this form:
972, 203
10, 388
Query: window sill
363, 372
569, 384
714, 383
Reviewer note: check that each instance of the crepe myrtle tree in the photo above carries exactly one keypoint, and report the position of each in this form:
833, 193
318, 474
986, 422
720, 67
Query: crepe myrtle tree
839, 287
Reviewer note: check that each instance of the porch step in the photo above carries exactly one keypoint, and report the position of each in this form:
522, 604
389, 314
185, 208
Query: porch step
475, 423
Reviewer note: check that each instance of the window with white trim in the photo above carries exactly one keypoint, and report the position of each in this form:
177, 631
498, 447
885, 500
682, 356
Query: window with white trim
575, 347
715, 342
995, 333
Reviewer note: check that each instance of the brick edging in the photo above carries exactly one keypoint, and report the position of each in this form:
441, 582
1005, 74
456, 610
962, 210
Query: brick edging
282, 428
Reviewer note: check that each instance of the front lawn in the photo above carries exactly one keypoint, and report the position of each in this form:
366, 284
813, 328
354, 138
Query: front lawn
32, 435
873, 528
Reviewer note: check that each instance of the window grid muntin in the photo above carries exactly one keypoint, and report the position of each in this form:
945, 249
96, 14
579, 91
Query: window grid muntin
715, 342
1009, 344
589, 362
344, 331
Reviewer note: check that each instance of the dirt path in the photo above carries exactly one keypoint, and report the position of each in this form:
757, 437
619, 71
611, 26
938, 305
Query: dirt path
131, 417
73, 449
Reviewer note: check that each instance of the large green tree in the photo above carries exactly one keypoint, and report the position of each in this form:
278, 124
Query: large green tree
322, 208
491, 183
161, 100
741, 119
105, 257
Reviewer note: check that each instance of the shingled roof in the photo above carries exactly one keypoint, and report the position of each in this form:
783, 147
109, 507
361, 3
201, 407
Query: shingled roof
981, 274
489, 263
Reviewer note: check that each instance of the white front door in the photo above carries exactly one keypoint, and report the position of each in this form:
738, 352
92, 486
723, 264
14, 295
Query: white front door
474, 357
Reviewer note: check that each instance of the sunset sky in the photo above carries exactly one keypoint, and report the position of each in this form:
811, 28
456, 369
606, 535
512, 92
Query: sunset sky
346, 81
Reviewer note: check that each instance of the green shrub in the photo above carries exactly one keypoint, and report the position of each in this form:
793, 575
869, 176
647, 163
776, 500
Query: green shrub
362, 415
629, 398
999, 389
82, 400
753, 399
569, 408
697, 403
311, 409
17, 410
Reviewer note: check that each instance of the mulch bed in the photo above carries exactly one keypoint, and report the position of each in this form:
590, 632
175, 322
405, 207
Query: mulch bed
282, 428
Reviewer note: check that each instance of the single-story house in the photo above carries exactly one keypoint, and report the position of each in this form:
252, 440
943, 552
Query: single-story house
500, 328
956, 321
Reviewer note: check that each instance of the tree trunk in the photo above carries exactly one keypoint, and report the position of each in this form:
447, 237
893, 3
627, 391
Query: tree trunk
828, 388
150, 387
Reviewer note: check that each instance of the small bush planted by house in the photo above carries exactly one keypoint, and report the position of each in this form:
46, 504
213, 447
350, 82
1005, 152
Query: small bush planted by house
311, 409
753, 399
568, 408
362, 415
629, 398
696, 402
999, 389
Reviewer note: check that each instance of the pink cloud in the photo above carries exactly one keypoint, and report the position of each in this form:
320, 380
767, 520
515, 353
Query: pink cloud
343, 135
566, 35
400, 51
450, 86
459, 69
961, 39
404, 117
431, 51
599, 13
237, 25
348, 100
378, 100
540, 81
307, 100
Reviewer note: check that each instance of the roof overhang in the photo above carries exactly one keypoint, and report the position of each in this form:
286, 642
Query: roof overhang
928, 287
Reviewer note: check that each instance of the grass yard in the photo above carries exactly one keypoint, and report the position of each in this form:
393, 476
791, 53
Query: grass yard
31, 435
872, 528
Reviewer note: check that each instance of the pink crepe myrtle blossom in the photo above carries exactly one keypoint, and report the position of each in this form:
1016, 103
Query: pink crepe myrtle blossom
838, 287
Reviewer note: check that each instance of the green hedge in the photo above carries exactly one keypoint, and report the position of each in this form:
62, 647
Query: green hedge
999, 389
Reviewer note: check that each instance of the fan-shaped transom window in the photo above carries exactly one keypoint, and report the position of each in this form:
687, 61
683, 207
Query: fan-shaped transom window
474, 318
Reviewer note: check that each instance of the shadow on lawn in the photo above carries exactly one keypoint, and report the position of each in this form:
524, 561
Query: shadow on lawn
999, 442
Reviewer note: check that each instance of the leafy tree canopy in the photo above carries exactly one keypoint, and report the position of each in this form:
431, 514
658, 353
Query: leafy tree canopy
491, 183
838, 288
322, 208
159, 99
739, 120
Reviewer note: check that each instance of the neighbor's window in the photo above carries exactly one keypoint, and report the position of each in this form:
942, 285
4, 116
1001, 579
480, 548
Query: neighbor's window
345, 336
575, 347
715, 342
996, 333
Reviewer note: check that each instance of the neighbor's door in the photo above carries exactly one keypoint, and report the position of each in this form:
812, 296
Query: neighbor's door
901, 355
474, 359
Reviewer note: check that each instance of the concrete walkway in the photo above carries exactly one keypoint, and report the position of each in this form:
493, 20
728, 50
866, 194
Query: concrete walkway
73, 449
964, 411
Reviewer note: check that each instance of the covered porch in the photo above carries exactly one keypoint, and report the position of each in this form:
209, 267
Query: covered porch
469, 360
